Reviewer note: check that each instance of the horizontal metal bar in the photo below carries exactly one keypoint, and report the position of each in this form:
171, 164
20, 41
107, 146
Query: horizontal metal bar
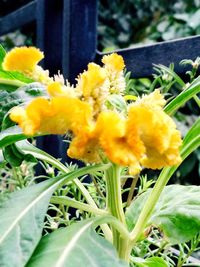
140, 60
18, 18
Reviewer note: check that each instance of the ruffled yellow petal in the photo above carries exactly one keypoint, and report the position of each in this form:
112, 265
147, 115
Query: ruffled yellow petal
23, 59
91, 79
154, 100
114, 62
157, 131
55, 116
111, 129
85, 147
57, 89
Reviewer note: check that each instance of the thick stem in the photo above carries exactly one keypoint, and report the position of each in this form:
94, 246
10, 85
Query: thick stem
150, 204
115, 208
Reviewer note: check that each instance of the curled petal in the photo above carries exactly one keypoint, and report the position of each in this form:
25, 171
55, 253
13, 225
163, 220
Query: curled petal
55, 116
111, 129
91, 79
22, 59
154, 100
114, 62
158, 133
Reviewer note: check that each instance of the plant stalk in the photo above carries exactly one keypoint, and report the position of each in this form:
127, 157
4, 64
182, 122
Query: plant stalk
115, 208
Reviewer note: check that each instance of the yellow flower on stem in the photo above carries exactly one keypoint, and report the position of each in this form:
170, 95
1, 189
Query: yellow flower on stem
147, 136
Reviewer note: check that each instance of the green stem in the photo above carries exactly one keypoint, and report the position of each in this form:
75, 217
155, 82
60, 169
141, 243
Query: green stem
64, 200
148, 207
16, 83
115, 208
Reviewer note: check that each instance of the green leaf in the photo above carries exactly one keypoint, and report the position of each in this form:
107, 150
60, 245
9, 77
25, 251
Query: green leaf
22, 216
150, 262
2, 55
11, 156
183, 97
170, 72
15, 156
10, 136
8, 87
76, 245
14, 75
176, 213
117, 102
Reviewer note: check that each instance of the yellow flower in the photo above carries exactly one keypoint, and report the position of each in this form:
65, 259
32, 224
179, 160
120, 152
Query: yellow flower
55, 116
85, 147
147, 136
156, 130
93, 87
155, 100
111, 130
114, 65
56, 89
114, 62
90, 80
23, 59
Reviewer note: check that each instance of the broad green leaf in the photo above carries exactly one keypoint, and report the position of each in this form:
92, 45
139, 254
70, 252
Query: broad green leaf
2, 55
150, 262
183, 97
176, 213
76, 245
22, 216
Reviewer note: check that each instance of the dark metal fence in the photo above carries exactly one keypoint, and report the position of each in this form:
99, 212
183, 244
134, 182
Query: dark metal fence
66, 30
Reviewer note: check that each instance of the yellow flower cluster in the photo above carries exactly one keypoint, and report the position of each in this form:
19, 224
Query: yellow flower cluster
145, 136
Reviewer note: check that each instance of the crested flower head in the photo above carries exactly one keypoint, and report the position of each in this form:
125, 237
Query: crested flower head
93, 87
157, 131
114, 62
22, 59
55, 116
25, 59
143, 136
114, 65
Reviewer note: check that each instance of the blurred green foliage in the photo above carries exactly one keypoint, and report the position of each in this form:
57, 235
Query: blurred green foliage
124, 23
